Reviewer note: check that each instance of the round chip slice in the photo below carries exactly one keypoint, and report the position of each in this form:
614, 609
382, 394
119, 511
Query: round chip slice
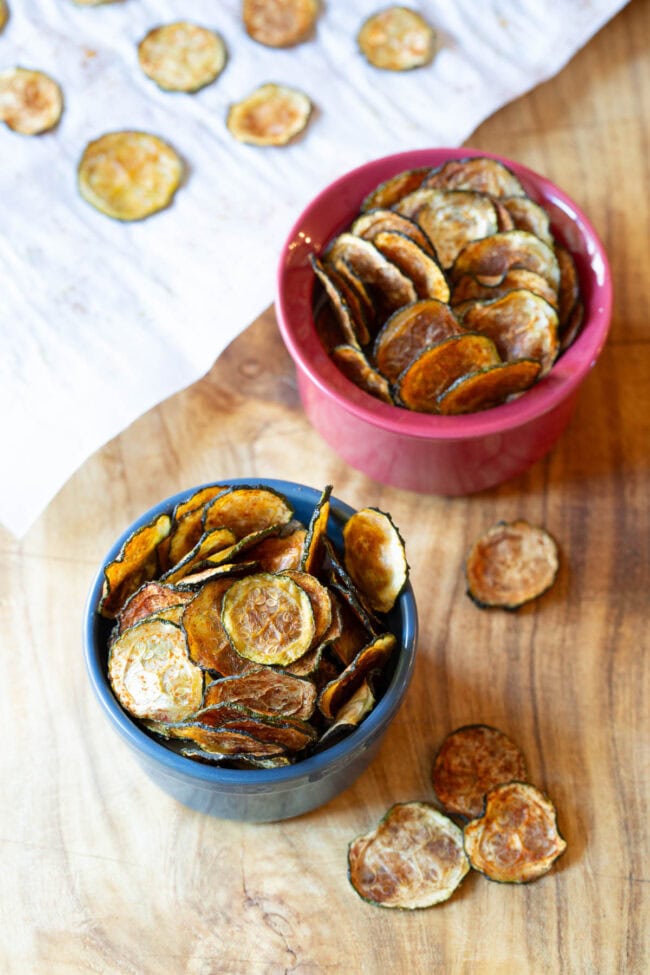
450, 218
30, 101
182, 56
375, 557
478, 173
397, 39
470, 762
413, 859
516, 840
490, 258
129, 175
393, 189
409, 331
521, 324
425, 272
488, 387
279, 23
428, 376
272, 115
511, 564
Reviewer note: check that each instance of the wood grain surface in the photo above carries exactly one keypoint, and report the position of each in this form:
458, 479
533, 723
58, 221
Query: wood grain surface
103, 873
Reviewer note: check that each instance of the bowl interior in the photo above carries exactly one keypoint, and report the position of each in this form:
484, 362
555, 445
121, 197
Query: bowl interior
333, 210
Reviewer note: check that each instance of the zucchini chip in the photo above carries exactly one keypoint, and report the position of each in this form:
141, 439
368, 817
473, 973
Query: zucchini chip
349, 716
375, 557
292, 734
375, 221
339, 690
373, 268
389, 192
450, 218
354, 633
196, 501
354, 365
272, 115
469, 288
312, 556
425, 273
478, 173
30, 101
182, 56
488, 387
521, 324
268, 619
516, 840
489, 259
569, 290
136, 563
504, 219
151, 673
409, 331
348, 321
202, 575
347, 276
413, 859
149, 599
279, 23
530, 216
207, 641
471, 761
266, 691
224, 741
428, 376
397, 39
129, 175
245, 510
319, 598
211, 541
277, 553
513, 563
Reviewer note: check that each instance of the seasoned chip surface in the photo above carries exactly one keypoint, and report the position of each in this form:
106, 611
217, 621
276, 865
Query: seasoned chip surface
136, 562
428, 376
182, 56
129, 175
488, 387
375, 557
511, 564
272, 115
413, 859
397, 39
30, 101
409, 331
478, 173
521, 324
268, 619
450, 218
279, 23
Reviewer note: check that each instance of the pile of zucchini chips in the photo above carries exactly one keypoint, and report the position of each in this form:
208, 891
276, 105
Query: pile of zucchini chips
448, 293
242, 636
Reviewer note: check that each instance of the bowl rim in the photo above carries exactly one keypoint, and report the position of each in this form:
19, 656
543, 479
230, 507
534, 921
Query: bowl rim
249, 780
566, 373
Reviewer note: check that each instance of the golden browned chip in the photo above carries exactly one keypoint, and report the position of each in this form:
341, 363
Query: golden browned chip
428, 376
129, 175
137, 562
151, 673
425, 273
489, 259
528, 215
350, 715
292, 734
569, 290
212, 540
30, 101
354, 292
150, 598
272, 115
488, 387
347, 276
375, 557
516, 840
354, 633
266, 691
279, 23
194, 580
521, 324
413, 859
409, 331
573, 325
339, 690
312, 555
373, 268
4, 13
353, 364
450, 218
224, 741
469, 288
268, 619
182, 56
319, 598
373, 222
348, 322
397, 39
470, 762
479, 173
198, 499
511, 564
206, 638
393, 189
280, 552
246, 510
504, 219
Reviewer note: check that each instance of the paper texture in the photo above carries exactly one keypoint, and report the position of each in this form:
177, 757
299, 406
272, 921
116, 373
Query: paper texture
101, 320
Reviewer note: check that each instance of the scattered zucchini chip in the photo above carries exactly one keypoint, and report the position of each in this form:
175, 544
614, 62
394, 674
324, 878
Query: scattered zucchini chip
136, 563
129, 175
375, 557
450, 218
355, 366
511, 564
312, 555
374, 269
245, 510
516, 840
428, 376
371, 657
389, 192
397, 39
30, 101
272, 115
409, 331
469, 288
279, 23
489, 259
471, 761
530, 216
268, 619
489, 387
266, 691
413, 859
478, 173
348, 323
182, 56
375, 221
149, 599
425, 273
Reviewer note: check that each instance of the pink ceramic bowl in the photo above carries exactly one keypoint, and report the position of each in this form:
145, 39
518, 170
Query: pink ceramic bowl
448, 455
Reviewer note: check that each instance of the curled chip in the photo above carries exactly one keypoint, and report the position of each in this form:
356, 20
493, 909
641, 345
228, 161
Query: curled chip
413, 859
137, 562
129, 175
272, 115
340, 689
488, 387
375, 557
511, 564
393, 189
489, 259
150, 598
428, 376
30, 101
245, 510
279, 23
411, 330
348, 321
469, 288
478, 173
450, 218
182, 56
516, 840
312, 553
376, 221
425, 273
265, 691
373, 268
470, 762
397, 39
353, 364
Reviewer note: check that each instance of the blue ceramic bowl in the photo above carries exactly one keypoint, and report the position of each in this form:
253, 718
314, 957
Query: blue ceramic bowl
254, 795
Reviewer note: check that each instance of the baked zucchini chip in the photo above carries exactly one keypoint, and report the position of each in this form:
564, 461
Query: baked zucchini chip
149, 599
279, 23
530, 216
136, 563
292, 734
211, 541
207, 641
266, 691
489, 387
370, 658
397, 39
373, 268
375, 221
450, 218
279, 552
516, 840
425, 273
30, 101
182, 56
569, 290
354, 365
198, 578
347, 276
129, 175
428, 376
272, 115
224, 741
489, 259
521, 324
354, 633
413, 859
411, 330
478, 173
391, 190
313, 551
511, 564
245, 510
469, 288
375, 557
471, 761
349, 716
349, 323
319, 598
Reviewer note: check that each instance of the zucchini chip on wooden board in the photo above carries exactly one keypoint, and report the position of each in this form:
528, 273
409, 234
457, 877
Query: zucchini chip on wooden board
129, 175
413, 859
516, 840
182, 56
397, 39
272, 115
513, 563
280, 23
30, 101
471, 761
375, 557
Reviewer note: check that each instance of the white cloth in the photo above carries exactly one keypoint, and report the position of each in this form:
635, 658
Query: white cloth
99, 320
